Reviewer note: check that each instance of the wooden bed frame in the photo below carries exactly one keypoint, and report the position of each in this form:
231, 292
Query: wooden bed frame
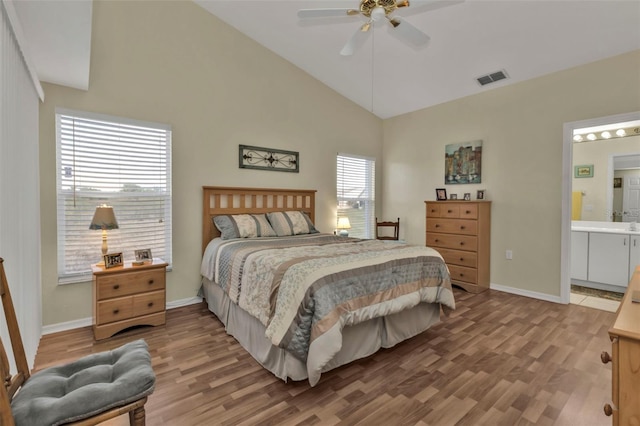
219, 200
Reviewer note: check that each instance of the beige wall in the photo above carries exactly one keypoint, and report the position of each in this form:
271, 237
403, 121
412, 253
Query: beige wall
171, 62
522, 129
595, 204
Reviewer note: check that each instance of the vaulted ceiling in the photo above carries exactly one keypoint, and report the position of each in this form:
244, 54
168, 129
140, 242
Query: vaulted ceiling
525, 38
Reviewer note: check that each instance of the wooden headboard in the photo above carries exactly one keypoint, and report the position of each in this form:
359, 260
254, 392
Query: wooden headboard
217, 200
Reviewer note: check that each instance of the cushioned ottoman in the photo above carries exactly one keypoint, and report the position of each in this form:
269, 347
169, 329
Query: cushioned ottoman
86, 387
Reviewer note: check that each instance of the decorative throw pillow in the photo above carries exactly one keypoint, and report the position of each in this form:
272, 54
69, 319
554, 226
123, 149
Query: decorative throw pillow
243, 226
291, 223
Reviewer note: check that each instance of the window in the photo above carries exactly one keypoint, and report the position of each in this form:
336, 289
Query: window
119, 162
356, 178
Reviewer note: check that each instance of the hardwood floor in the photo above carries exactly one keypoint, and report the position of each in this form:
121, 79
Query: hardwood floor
498, 359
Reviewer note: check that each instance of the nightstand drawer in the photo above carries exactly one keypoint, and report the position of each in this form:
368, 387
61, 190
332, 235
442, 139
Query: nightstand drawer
114, 310
149, 303
126, 283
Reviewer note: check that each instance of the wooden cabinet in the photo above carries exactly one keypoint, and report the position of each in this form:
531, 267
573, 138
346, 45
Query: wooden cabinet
128, 295
609, 258
625, 359
461, 232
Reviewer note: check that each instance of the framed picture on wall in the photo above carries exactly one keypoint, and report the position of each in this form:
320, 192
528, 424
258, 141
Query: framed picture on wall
617, 182
584, 171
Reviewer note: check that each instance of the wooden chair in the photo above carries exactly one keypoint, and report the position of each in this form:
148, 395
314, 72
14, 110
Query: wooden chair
104, 385
385, 225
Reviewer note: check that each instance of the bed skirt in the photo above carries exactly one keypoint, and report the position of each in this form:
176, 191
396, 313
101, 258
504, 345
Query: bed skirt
359, 341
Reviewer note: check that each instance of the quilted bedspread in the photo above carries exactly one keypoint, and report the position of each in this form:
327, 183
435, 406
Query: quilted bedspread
305, 289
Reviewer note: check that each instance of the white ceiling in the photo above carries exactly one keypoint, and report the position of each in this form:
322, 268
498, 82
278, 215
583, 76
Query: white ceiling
526, 38
58, 38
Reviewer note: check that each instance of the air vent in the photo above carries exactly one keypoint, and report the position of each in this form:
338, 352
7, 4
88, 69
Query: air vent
492, 78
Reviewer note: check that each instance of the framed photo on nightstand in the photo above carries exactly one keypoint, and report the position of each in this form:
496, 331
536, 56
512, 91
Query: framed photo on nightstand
112, 260
143, 255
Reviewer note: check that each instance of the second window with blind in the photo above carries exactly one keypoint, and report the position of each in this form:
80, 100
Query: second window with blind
119, 162
356, 176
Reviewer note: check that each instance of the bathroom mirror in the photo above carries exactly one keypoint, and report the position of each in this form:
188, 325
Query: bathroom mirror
594, 197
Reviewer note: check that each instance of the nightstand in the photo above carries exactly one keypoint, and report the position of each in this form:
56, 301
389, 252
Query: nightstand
128, 295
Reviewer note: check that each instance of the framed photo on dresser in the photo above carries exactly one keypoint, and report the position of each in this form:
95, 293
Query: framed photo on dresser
441, 194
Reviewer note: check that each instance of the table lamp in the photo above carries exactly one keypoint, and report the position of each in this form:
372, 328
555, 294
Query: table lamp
104, 219
343, 225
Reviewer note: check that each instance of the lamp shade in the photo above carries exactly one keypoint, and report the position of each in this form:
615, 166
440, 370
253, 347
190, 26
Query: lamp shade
343, 223
104, 218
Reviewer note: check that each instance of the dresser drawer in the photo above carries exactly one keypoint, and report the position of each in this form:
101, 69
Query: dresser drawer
113, 310
126, 283
468, 211
452, 226
461, 273
433, 210
149, 303
459, 257
453, 241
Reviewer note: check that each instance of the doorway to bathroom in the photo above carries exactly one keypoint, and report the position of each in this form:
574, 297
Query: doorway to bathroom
591, 162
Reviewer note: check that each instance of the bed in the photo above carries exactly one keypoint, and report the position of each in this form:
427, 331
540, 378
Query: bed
302, 302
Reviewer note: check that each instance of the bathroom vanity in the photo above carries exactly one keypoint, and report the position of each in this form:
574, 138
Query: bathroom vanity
604, 253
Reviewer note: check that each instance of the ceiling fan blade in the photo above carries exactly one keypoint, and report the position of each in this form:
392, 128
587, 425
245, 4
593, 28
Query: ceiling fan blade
356, 40
408, 32
418, 6
326, 13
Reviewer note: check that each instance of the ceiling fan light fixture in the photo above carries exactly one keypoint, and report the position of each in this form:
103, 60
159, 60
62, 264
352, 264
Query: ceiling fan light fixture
377, 13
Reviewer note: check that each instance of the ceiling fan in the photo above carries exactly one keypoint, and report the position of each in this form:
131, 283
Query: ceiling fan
375, 11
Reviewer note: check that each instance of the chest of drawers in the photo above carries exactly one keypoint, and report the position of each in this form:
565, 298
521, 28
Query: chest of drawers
461, 232
128, 295
625, 359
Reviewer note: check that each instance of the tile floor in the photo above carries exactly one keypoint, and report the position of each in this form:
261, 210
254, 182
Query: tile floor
594, 302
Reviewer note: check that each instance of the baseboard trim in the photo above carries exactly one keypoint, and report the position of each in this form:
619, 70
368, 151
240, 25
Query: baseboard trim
87, 322
527, 293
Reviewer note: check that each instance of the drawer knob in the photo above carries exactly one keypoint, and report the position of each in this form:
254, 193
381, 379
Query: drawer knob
117, 286
462, 259
462, 227
116, 311
467, 211
608, 411
150, 304
437, 240
150, 282
605, 357
461, 243
449, 211
437, 225
461, 274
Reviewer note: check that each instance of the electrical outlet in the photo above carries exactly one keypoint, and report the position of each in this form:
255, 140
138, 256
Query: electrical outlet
509, 255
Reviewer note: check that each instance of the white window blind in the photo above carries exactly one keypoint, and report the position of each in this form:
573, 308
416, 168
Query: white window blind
356, 178
119, 162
